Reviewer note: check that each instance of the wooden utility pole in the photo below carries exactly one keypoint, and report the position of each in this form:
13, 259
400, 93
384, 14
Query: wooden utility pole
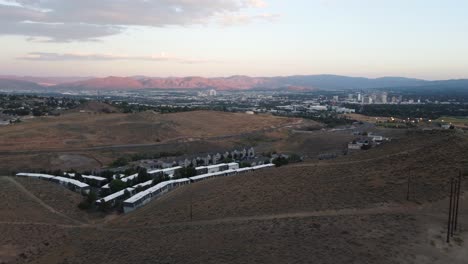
454, 198
191, 200
457, 202
450, 211
408, 189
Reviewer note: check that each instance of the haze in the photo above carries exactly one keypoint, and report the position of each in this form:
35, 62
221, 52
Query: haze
422, 39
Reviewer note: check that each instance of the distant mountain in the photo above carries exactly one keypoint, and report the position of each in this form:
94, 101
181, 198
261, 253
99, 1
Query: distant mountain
7, 85
108, 83
306, 82
287, 83
45, 81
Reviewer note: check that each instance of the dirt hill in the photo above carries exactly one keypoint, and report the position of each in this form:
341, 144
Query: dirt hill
67, 141
349, 210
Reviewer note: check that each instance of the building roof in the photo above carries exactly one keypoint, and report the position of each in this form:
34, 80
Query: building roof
210, 174
243, 169
72, 181
35, 175
92, 177
60, 179
216, 165
142, 194
144, 184
165, 170
263, 166
115, 195
128, 178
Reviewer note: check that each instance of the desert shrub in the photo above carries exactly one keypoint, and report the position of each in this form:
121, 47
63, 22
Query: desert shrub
280, 161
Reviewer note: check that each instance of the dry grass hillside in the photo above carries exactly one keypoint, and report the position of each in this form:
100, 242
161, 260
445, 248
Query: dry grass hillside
82, 130
349, 210
92, 139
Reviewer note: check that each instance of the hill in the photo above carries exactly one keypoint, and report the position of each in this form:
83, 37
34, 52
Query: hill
349, 210
94, 107
8, 85
67, 140
45, 81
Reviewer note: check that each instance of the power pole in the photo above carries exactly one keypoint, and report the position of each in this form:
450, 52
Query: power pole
455, 184
450, 212
408, 190
191, 212
458, 198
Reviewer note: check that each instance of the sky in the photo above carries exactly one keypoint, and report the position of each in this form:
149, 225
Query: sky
371, 38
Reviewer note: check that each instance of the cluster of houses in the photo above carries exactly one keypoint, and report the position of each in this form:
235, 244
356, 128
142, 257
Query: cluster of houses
140, 199
366, 142
140, 194
195, 161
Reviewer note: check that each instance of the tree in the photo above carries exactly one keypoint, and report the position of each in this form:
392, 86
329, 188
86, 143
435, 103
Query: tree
120, 162
117, 185
294, 158
186, 172
143, 175
280, 161
109, 175
245, 164
88, 202
104, 206
78, 177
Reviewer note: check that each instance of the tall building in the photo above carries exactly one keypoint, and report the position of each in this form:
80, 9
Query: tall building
384, 98
213, 92
359, 97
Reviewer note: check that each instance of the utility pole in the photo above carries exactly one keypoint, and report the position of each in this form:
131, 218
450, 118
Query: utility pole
454, 198
458, 198
450, 212
408, 190
191, 212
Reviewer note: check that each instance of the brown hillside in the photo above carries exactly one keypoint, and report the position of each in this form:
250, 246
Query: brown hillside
350, 210
81, 130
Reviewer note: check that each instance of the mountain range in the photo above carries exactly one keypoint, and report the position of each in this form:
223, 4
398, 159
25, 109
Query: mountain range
296, 83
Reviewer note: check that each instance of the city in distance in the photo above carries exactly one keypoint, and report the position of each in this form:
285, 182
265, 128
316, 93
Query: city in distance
233, 131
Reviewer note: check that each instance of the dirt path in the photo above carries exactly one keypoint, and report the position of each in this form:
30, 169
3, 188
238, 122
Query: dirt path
41, 224
357, 161
379, 209
42, 203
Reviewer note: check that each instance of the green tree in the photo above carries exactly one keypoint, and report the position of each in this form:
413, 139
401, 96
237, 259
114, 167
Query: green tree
280, 161
186, 172
117, 185
143, 175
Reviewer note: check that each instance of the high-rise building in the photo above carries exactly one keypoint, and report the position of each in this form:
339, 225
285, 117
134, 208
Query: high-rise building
213, 92
384, 98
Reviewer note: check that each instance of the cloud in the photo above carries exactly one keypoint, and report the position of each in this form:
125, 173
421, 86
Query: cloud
240, 19
69, 20
163, 57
